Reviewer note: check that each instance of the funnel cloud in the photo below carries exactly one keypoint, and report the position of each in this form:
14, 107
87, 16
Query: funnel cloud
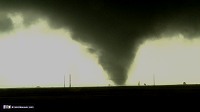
113, 29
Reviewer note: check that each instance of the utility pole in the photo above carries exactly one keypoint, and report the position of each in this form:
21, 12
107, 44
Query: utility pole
154, 82
70, 80
64, 81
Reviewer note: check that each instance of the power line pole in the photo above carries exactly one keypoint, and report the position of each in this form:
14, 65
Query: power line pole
154, 82
64, 81
70, 80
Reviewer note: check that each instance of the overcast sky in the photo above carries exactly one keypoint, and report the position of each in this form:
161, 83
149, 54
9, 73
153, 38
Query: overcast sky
107, 33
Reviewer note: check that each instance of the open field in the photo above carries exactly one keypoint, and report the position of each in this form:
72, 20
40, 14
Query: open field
53, 98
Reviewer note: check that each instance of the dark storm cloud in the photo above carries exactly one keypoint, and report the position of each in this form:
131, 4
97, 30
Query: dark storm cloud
114, 28
5, 23
91, 50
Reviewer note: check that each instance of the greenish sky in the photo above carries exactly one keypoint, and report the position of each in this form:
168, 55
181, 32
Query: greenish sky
98, 42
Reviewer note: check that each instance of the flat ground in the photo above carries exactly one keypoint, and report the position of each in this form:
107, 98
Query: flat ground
55, 98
